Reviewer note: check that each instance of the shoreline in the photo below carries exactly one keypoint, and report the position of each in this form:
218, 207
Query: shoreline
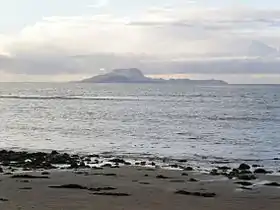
37, 181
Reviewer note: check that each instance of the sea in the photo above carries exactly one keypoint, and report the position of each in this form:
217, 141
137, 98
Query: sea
206, 125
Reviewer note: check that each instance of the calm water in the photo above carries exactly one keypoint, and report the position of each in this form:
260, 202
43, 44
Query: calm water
204, 124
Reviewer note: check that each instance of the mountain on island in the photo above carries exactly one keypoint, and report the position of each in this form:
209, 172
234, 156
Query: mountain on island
134, 75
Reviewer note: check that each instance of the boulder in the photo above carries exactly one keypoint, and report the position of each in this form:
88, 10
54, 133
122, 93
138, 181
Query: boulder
244, 166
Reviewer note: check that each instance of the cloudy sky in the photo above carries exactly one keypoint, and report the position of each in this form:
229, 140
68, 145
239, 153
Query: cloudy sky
51, 40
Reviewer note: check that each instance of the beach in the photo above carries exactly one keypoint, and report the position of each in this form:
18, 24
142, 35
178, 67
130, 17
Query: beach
120, 185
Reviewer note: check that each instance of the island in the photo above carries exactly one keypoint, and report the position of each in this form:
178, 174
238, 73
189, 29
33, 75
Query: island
134, 75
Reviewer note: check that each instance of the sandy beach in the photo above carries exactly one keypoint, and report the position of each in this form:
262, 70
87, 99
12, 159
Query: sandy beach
134, 187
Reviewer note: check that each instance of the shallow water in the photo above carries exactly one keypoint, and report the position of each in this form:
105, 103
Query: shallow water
206, 124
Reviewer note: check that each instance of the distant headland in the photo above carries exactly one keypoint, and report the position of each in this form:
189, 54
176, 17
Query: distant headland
134, 75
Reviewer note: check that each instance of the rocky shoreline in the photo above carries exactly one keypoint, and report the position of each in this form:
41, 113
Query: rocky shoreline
11, 161
67, 181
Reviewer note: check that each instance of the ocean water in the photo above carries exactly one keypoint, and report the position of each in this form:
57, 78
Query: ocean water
226, 124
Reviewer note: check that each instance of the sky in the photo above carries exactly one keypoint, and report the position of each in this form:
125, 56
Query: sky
49, 40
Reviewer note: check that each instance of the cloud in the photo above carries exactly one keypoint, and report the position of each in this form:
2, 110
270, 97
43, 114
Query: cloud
161, 40
99, 4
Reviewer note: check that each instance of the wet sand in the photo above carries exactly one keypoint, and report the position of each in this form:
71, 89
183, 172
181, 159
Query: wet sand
134, 188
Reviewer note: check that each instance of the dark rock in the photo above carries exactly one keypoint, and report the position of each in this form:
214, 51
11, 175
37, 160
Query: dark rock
74, 165
96, 168
82, 164
26, 176
193, 180
45, 173
117, 160
24, 181
182, 161
93, 156
224, 168
104, 174
70, 186
244, 166
1, 170
8, 173
201, 194
162, 177
137, 163
25, 188
143, 163
87, 159
97, 189
153, 164
184, 174
146, 175
273, 184
261, 171
246, 177
188, 169
111, 194
174, 166
144, 183
54, 152
214, 172
107, 165
244, 183
256, 166
4, 199
244, 172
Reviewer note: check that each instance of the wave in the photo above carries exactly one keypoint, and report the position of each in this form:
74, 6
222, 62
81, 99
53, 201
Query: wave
68, 98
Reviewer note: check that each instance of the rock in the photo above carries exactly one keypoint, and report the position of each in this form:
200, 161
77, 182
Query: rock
256, 166
188, 169
54, 152
146, 175
153, 164
26, 176
273, 184
4, 199
107, 165
45, 173
1, 170
174, 166
96, 168
161, 177
97, 189
82, 164
214, 172
185, 174
74, 165
246, 177
143, 163
244, 166
69, 186
112, 194
88, 160
193, 180
93, 156
224, 168
244, 183
261, 171
182, 161
117, 160
25, 188
202, 194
